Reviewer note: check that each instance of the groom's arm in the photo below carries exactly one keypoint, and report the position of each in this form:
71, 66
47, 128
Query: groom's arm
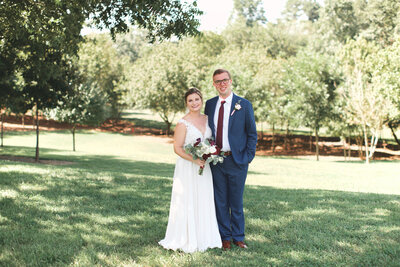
251, 132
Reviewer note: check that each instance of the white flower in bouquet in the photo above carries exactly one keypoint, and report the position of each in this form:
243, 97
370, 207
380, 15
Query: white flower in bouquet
206, 150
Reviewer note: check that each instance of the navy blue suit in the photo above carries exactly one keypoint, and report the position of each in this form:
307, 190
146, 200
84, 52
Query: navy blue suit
229, 177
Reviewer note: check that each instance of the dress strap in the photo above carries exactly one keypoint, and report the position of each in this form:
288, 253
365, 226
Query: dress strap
184, 122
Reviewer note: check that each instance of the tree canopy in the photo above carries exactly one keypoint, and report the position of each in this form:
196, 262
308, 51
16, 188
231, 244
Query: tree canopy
38, 38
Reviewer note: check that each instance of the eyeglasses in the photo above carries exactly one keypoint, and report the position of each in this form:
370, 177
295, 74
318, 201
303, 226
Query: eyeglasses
221, 81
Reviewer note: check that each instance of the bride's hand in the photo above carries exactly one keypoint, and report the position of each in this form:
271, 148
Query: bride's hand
199, 162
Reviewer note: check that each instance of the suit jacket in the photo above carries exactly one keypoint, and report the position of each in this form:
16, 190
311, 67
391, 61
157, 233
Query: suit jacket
242, 132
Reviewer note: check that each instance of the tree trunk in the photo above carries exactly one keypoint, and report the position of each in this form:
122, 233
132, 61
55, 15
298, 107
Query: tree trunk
316, 143
168, 127
73, 137
374, 142
393, 133
117, 118
366, 143
344, 147
273, 138
168, 123
286, 141
2, 129
37, 134
359, 141
349, 148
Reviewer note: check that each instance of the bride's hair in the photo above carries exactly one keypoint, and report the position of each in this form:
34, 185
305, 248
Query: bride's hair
193, 90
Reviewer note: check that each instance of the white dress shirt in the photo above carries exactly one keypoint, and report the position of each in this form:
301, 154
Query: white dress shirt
227, 112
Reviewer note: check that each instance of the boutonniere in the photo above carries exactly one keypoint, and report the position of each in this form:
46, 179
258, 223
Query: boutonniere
237, 106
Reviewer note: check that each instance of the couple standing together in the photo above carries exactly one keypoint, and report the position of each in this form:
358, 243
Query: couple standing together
206, 210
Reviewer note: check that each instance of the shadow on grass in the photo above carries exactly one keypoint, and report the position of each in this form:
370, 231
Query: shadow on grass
94, 163
29, 152
257, 173
101, 206
110, 211
322, 228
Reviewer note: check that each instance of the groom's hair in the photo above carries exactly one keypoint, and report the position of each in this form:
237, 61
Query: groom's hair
219, 71
193, 90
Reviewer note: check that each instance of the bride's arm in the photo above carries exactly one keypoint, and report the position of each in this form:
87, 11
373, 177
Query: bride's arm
179, 141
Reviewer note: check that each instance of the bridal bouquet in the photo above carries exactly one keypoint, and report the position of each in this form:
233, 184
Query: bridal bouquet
206, 150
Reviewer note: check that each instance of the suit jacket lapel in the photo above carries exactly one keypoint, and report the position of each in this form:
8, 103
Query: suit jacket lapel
211, 114
234, 100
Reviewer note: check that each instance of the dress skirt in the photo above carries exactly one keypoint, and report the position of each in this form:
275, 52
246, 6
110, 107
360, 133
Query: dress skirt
192, 224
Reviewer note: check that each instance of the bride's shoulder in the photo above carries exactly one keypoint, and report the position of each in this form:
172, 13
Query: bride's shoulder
183, 121
181, 126
184, 118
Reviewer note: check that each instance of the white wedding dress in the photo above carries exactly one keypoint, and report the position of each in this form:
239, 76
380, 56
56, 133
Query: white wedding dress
192, 223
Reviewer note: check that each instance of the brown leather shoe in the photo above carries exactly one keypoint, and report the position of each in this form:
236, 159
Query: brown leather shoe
240, 244
226, 244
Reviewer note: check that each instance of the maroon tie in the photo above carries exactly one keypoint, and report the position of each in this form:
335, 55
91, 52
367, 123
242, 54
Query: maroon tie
220, 124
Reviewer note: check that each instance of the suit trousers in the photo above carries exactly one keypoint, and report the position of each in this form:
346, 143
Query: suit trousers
229, 179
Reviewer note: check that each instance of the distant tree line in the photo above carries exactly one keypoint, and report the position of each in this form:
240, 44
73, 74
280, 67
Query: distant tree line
334, 65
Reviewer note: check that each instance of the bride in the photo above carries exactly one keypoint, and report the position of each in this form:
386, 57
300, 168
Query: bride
192, 224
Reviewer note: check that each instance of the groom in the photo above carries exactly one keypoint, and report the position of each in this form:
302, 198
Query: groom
231, 119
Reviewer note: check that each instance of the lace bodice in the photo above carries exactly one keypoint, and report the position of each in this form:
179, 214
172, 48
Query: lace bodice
193, 133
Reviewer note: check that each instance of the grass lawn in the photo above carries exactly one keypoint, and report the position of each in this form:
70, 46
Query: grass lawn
109, 207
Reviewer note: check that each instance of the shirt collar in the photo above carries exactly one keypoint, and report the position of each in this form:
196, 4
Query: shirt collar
228, 100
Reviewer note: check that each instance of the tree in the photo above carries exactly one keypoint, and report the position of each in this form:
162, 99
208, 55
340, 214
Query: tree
43, 34
39, 37
159, 80
312, 80
339, 21
381, 21
6, 90
102, 67
275, 40
238, 34
367, 108
3, 105
366, 104
373, 20
341, 124
130, 45
201, 53
270, 102
385, 65
251, 11
284, 40
162, 19
86, 104
296, 9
